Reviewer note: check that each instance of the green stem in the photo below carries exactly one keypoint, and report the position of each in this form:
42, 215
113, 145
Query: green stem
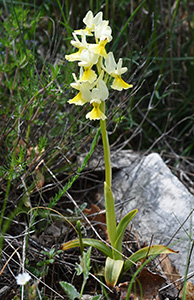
82, 288
108, 197
106, 147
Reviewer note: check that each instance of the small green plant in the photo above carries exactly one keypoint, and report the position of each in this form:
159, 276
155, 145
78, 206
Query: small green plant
98, 72
47, 260
76, 211
82, 268
42, 266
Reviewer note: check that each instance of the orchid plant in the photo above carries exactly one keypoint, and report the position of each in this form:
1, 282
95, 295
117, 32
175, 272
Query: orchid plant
96, 68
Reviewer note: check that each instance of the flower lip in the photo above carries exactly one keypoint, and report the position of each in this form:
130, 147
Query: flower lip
96, 113
119, 84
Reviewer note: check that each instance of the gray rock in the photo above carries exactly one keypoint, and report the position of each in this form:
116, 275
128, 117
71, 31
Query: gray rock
163, 204
119, 160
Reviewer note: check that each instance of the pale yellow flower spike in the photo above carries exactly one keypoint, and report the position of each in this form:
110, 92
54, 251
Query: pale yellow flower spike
119, 84
96, 113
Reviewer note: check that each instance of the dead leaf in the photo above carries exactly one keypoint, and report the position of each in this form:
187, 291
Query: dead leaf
39, 179
122, 289
94, 214
39, 176
169, 270
147, 281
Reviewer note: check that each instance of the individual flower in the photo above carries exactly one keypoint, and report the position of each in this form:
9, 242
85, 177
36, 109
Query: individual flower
87, 60
103, 31
103, 36
77, 44
99, 48
98, 95
84, 94
23, 278
116, 70
91, 22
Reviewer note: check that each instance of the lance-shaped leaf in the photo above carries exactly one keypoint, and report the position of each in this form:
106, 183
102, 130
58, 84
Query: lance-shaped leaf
113, 270
87, 243
121, 228
110, 213
145, 252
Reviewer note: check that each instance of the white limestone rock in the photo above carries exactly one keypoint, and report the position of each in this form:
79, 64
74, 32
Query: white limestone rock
163, 204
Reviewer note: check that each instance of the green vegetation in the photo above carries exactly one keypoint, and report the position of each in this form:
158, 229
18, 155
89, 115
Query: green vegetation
42, 135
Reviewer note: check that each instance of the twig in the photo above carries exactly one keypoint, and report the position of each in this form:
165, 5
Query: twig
179, 281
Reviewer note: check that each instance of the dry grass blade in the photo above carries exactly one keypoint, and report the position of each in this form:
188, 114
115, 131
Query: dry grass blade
8, 260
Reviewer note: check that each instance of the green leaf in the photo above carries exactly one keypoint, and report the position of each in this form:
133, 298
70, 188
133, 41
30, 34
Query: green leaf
84, 266
110, 213
78, 269
55, 70
70, 290
86, 258
51, 260
80, 237
121, 227
51, 253
87, 243
125, 26
145, 252
40, 264
113, 270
